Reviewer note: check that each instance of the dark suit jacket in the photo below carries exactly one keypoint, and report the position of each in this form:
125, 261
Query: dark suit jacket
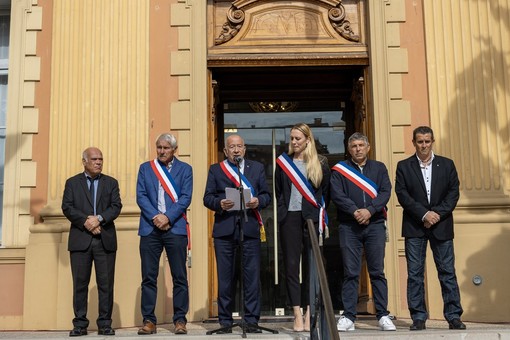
77, 205
412, 196
225, 221
283, 186
147, 188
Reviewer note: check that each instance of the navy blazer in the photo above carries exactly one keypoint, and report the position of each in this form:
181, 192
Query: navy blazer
283, 186
147, 188
412, 196
77, 205
226, 221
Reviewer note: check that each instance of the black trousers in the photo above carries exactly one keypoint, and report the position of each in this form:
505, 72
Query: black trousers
295, 243
81, 268
225, 249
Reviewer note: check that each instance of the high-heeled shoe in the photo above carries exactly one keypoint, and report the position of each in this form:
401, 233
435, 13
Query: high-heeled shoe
307, 320
298, 319
298, 324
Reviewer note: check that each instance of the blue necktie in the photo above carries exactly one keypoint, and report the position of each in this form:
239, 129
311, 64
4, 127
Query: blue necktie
92, 191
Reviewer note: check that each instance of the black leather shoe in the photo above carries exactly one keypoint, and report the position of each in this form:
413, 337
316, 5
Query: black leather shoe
78, 331
252, 328
418, 325
456, 324
106, 331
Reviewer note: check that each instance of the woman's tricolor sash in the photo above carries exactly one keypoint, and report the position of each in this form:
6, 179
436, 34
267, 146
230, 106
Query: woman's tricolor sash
306, 189
360, 180
230, 171
171, 188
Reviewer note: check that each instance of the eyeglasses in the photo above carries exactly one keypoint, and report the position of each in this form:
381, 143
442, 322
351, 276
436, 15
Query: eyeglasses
233, 147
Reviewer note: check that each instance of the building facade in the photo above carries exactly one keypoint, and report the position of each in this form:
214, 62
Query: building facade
115, 74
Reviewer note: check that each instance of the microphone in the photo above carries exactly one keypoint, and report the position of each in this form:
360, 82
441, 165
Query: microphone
238, 159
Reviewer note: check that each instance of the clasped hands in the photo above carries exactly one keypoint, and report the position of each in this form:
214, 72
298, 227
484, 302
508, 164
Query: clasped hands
228, 204
430, 219
161, 222
93, 225
362, 216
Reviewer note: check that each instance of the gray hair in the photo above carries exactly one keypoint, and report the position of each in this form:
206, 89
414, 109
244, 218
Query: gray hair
230, 136
358, 136
169, 138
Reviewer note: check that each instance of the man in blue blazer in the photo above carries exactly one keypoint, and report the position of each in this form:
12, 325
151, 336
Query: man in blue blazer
91, 202
226, 231
163, 193
427, 187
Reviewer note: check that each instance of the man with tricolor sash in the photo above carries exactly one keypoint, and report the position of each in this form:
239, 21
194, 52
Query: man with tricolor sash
233, 172
163, 193
360, 189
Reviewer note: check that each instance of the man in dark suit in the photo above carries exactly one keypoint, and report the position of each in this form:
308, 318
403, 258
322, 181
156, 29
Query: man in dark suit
226, 231
91, 202
427, 187
163, 193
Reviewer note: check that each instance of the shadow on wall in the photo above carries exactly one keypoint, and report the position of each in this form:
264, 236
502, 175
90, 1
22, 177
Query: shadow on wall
477, 126
477, 131
486, 275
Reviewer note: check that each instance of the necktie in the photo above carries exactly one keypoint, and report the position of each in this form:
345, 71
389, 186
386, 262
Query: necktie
92, 190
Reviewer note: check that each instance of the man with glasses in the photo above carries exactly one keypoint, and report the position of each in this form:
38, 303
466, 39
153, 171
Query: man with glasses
227, 228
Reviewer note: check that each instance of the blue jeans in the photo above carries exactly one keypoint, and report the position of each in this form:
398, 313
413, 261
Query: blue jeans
444, 258
151, 247
353, 239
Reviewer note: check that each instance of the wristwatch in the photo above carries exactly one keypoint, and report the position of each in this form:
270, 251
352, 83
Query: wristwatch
100, 218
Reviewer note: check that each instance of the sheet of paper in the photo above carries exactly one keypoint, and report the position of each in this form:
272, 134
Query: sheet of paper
233, 195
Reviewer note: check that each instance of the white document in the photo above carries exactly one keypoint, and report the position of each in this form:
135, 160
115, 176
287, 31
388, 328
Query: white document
233, 195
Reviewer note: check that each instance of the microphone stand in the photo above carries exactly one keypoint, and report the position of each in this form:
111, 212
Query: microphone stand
241, 242
241, 199
242, 209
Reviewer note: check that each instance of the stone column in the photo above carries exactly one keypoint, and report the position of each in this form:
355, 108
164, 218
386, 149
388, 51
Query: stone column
99, 97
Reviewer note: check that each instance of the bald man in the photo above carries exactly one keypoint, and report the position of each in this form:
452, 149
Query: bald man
91, 202
226, 231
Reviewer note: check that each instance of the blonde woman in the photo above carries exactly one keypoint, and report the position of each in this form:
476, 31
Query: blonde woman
300, 172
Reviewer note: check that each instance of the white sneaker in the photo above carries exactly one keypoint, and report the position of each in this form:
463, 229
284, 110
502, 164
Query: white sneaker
344, 324
386, 324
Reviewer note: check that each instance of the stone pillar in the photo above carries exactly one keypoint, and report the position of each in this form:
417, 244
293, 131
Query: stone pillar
99, 97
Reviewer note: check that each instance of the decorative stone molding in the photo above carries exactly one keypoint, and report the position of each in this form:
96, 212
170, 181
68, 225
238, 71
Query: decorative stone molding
305, 15
235, 20
343, 27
